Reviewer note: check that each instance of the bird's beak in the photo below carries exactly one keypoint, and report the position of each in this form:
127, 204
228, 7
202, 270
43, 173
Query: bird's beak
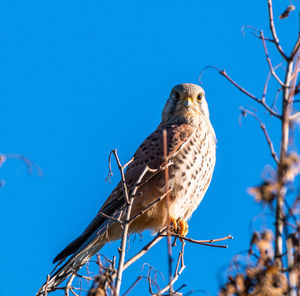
188, 102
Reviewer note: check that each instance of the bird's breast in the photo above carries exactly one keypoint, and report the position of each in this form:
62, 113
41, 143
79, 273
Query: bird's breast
191, 173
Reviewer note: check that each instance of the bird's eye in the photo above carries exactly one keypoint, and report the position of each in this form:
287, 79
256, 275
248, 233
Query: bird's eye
199, 97
176, 95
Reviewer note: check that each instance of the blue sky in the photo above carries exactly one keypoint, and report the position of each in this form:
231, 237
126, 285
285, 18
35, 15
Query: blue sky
79, 78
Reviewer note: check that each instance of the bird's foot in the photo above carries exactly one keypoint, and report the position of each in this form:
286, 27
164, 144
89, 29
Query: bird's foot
179, 226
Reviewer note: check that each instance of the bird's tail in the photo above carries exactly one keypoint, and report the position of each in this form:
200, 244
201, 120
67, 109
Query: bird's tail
73, 264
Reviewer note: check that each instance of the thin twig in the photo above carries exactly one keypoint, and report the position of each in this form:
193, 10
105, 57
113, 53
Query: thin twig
255, 34
263, 98
295, 115
180, 258
263, 127
88, 278
133, 285
145, 249
296, 48
126, 229
29, 164
121, 168
202, 242
73, 292
46, 285
169, 242
110, 173
243, 90
276, 98
112, 218
137, 215
149, 280
294, 78
273, 31
69, 284
168, 287
269, 60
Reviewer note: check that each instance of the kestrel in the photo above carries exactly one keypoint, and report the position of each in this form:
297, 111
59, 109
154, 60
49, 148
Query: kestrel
191, 150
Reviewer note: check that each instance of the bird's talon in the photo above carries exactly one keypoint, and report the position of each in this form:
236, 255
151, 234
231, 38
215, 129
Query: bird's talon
179, 226
173, 224
183, 227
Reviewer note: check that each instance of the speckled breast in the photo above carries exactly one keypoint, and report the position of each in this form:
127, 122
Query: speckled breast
191, 172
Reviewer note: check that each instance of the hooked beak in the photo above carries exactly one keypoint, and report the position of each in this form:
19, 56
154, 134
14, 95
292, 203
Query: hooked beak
188, 102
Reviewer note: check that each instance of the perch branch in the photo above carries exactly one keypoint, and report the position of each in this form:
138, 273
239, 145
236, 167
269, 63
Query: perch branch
203, 242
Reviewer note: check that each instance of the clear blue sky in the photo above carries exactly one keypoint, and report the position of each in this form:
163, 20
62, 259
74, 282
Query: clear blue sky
79, 78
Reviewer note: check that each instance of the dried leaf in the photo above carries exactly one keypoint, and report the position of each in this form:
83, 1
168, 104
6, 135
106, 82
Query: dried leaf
266, 192
292, 167
240, 283
287, 12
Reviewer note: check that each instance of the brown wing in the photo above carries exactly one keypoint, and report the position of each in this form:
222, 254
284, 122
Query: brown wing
150, 154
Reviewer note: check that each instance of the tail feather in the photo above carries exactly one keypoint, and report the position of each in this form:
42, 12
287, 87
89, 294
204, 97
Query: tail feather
87, 250
70, 249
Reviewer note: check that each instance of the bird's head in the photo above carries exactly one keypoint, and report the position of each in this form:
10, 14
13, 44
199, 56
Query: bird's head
186, 104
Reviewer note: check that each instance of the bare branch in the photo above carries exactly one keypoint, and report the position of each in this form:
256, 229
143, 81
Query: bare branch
263, 98
202, 242
169, 286
133, 285
180, 258
296, 48
269, 60
263, 127
276, 98
295, 115
243, 90
126, 225
121, 168
273, 31
255, 32
145, 249
169, 242
29, 164
148, 207
46, 286
69, 284
112, 218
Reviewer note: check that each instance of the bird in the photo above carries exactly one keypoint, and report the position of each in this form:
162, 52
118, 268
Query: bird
190, 159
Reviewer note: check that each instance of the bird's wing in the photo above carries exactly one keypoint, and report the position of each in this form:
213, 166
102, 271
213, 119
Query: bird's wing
150, 154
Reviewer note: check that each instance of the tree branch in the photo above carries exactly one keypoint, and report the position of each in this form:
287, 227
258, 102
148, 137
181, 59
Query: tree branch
243, 90
273, 31
263, 127
126, 225
269, 60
